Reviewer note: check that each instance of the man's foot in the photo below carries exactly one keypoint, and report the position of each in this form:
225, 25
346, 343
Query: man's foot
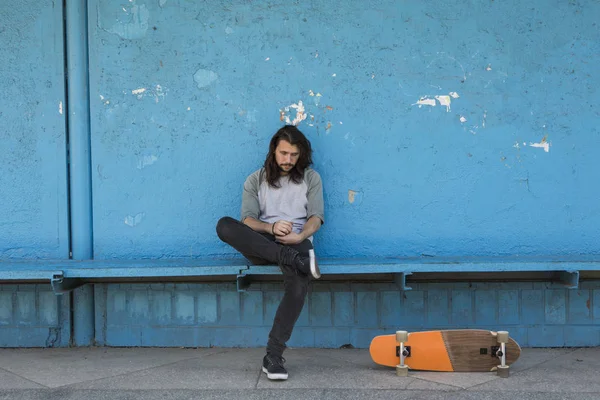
307, 264
273, 367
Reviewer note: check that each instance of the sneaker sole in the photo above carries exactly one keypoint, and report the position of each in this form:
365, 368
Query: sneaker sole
278, 377
314, 267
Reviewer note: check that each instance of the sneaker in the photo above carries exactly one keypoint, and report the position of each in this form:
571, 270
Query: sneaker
308, 265
273, 367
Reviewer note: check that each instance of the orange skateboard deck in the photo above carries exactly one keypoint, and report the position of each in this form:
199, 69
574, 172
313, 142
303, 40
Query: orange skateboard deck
460, 350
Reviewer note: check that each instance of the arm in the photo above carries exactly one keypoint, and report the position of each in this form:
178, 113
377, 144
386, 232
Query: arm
257, 225
311, 227
250, 204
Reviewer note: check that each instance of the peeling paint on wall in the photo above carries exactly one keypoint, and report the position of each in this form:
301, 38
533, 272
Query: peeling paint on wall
317, 97
542, 144
134, 220
444, 100
204, 77
423, 101
157, 92
146, 160
128, 22
351, 195
355, 197
300, 113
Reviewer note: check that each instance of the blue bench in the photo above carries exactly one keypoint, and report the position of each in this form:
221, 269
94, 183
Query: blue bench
67, 275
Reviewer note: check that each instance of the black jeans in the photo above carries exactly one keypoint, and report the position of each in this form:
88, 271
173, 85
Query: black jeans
260, 249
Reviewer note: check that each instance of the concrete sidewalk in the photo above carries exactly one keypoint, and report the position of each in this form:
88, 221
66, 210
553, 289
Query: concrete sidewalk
160, 373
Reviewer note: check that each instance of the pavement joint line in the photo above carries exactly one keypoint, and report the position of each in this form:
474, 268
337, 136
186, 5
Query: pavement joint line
523, 370
139, 370
258, 378
24, 378
429, 381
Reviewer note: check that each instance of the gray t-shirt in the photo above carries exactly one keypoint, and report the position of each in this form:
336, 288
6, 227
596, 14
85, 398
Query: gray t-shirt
291, 202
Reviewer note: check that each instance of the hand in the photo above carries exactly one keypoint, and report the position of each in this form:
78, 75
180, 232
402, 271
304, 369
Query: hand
290, 238
282, 228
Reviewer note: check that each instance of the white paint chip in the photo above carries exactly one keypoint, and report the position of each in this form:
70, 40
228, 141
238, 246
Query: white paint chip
267, 59
463, 119
423, 101
300, 114
134, 220
542, 144
444, 101
60, 107
138, 91
334, 75
351, 196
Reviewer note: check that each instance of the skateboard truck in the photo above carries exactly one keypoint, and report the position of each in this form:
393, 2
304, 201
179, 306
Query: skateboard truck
403, 352
502, 369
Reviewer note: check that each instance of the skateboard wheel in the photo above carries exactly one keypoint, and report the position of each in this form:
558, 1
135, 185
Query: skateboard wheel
503, 371
401, 370
502, 337
401, 336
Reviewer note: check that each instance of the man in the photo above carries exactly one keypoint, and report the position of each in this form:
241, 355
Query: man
282, 207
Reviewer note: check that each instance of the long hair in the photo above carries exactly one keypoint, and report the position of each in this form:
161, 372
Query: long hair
290, 134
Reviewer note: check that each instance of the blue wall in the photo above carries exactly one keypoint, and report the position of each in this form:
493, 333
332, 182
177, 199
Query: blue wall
450, 129
33, 169
185, 96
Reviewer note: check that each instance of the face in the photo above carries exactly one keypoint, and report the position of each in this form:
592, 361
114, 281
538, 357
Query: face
286, 156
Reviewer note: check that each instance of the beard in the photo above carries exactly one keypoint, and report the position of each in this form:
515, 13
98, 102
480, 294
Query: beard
285, 167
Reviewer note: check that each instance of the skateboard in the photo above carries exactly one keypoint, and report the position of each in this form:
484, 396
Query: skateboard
459, 350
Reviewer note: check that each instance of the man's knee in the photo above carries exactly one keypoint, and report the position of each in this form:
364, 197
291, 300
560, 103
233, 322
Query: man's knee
225, 227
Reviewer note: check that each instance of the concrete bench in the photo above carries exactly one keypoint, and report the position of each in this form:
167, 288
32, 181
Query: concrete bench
69, 274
